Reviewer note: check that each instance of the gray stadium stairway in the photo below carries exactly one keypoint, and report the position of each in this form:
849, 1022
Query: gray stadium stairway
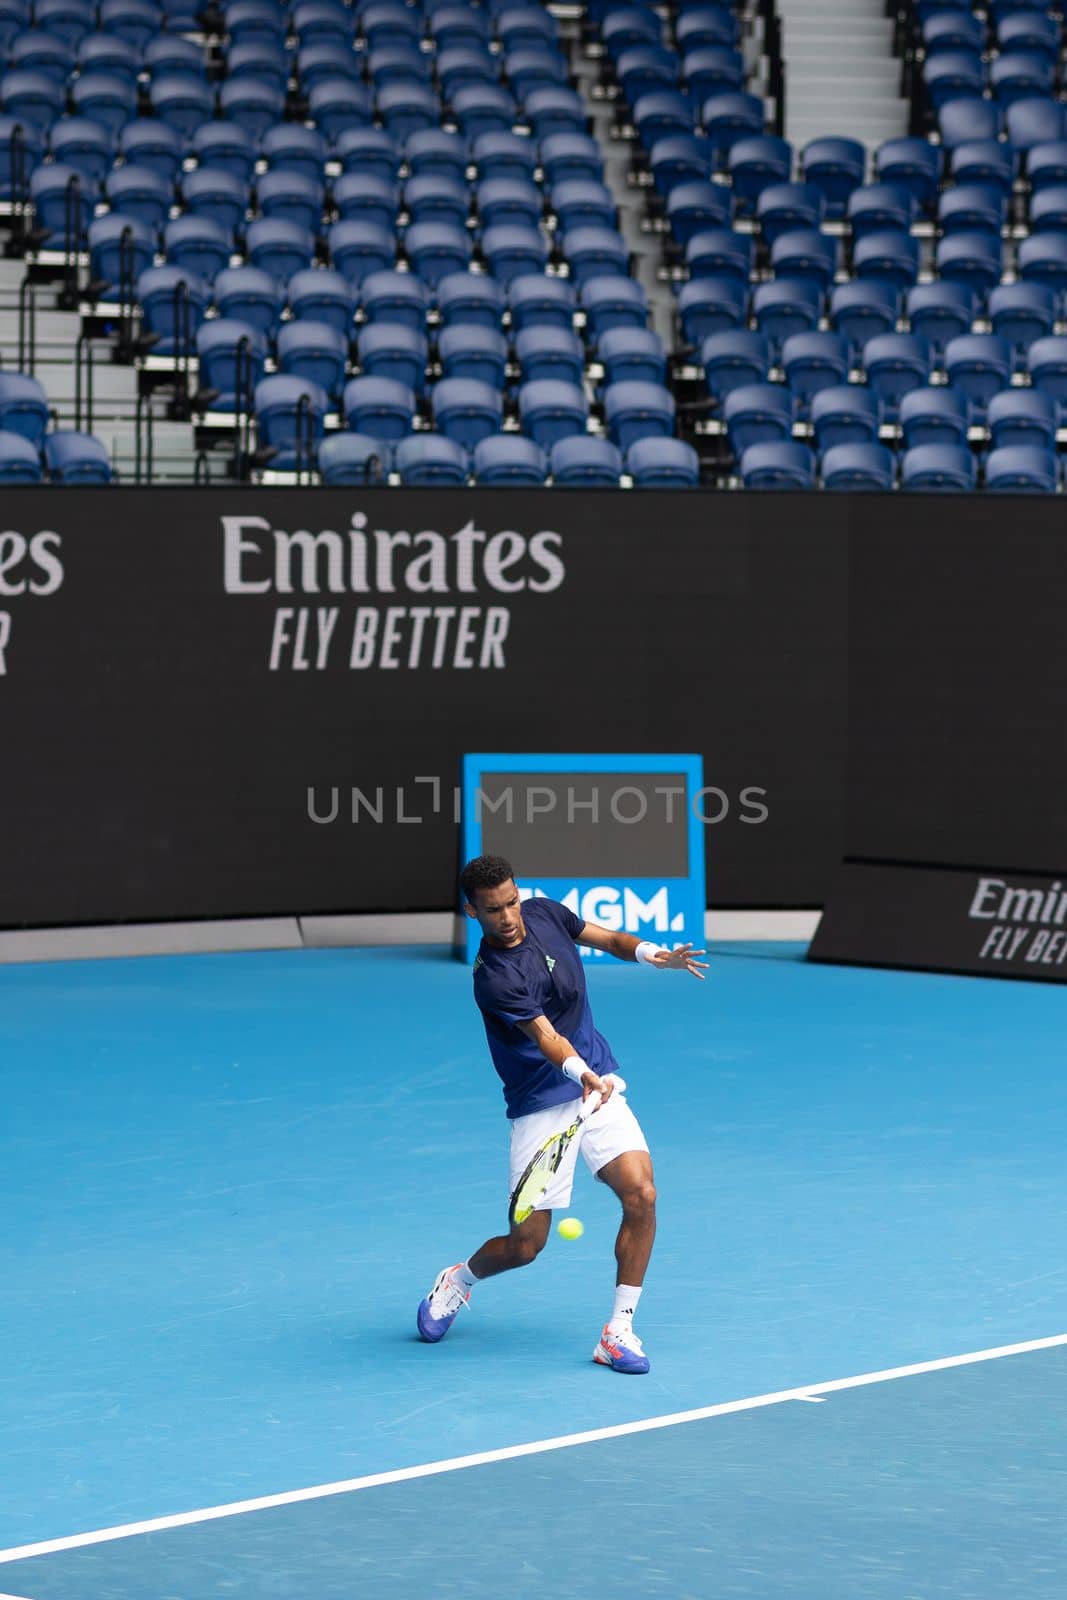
841, 75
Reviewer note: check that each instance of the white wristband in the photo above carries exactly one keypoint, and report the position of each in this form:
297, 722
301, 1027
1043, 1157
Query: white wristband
645, 952
573, 1068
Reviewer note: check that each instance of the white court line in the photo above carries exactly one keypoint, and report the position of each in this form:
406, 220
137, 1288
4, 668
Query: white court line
12, 1597
429, 1469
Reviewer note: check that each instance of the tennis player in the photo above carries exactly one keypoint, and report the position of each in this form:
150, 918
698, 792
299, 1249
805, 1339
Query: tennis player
529, 984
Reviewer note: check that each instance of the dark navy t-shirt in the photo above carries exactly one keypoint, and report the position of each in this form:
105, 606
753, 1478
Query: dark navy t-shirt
542, 976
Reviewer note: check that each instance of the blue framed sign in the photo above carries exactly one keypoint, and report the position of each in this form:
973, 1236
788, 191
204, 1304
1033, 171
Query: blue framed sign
619, 839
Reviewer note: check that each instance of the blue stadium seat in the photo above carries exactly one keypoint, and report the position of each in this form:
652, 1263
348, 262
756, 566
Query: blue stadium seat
1046, 165
846, 413
971, 259
663, 464
23, 407
294, 149
133, 20
646, 69
232, 355
952, 29
834, 166
322, 295
317, 64
359, 248
968, 121
1035, 121
509, 458
710, 305
225, 146
30, 97
67, 20
972, 208
468, 350
19, 459
63, 201
953, 75
509, 157
786, 306
146, 142
755, 412
862, 310
353, 458
322, 22
431, 458
512, 251
551, 111
293, 198
712, 70
103, 97
584, 461
547, 352
484, 108
455, 27
436, 249
388, 23
254, 104
895, 363
728, 117
933, 415
1022, 417
912, 164
694, 208
461, 69
182, 101
1048, 209
632, 355
937, 468
733, 359
582, 202
1021, 313
380, 407
626, 26
37, 51
338, 105
613, 302
197, 244
697, 27
357, 196
984, 161
21, 149
393, 350
785, 207
661, 115
120, 248
1020, 469
1020, 74
280, 248
1030, 30
551, 410
76, 458
638, 410
978, 364
525, 27
890, 257
246, 294
14, 16
267, 63
216, 194
720, 253
805, 256
814, 361
500, 201
468, 299
255, 19
852, 468
756, 163
940, 312
876, 207
466, 410
391, 296
681, 158
1047, 362
173, 305
595, 253
778, 464
1042, 258
315, 350
372, 151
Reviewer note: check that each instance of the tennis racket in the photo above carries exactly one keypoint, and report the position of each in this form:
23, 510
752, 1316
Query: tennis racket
533, 1185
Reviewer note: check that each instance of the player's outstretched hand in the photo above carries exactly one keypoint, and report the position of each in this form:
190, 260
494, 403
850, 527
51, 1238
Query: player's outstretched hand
682, 960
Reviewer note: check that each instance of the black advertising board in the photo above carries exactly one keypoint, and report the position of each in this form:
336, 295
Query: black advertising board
255, 702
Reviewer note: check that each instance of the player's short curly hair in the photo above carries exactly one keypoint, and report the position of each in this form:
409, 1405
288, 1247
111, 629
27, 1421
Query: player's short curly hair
484, 872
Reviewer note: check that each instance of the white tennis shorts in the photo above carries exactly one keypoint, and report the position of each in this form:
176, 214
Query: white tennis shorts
611, 1131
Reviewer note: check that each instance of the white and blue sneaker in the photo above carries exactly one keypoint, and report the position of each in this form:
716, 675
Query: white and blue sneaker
438, 1311
620, 1349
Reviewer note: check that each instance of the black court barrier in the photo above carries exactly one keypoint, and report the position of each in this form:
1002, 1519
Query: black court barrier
251, 702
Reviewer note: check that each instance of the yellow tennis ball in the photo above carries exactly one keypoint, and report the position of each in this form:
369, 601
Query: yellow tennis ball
570, 1228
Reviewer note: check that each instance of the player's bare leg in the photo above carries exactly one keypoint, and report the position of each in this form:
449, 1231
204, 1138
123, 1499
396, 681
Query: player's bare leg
630, 1177
452, 1288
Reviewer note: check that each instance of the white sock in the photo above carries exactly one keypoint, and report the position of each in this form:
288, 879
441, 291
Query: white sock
626, 1297
464, 1276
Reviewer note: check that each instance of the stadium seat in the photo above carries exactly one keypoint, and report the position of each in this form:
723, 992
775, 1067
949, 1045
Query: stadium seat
985, 162
76, 458
525, 27
431, 458
1046, 165
595, 253
267, 63
387, 23
1021, 469
432, 197
1029, 30
548, 352
861, 310
513, 251
712, 70
851, 468
227, 146
1042, 258
968, 121
198, 244
357, 196
613, 302
338, 105
23, 407
693, 208
726, 118
358, 249
720, 253
279, 248
296, 150
19, 459
393, 350
734, 358
1017, 75
38, 51
551, 409
353, 458
468, 299
845, 413
255, 19
102, 97
63, 201
646, 69
456, 27
785, 207
835, 167
552, 110
146, 142
466, 410
485, 108
933, 415
912, 164
779, 464
67, 20
756, 163
877, 207
586, 202
952, 29
21, 149
232, 355
971, 259
120, 248
320, 22
1021, 313
173, 305
703, 26
710, 305
661, 115
814, 361
380, 407
77, 143
293, 198
323, 295
371, 151
632, 355
391, 296
940, 312
182, 101
248, 295
938, 468
457, 69
638, 410
1048, 209
756, 412
584, 461
951, 75
213, 193
972, 208
786, 306
509, 158
805, 256
315, 350
681, 158
890, 257
1047, 363
509, 458
895, 363
1022, 417
663, 464
978, 364
436, 249
469, 350
33, 98
1035, 121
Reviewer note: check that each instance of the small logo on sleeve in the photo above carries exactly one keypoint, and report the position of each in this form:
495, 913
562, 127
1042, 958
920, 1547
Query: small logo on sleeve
550, 962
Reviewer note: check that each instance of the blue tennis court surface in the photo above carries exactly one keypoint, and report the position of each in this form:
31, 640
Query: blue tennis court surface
227, 1181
